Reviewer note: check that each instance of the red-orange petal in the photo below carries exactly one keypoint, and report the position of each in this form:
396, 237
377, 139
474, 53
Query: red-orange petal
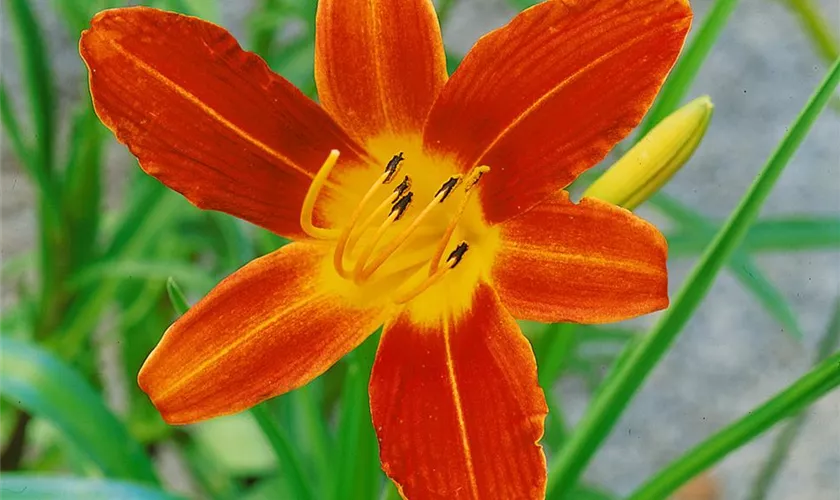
206, 118
379, 64
547, 96
457, 408
270, 327
587, 263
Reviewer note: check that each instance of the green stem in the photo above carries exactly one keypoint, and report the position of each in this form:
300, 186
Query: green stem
786, 438
620, 388
804, 392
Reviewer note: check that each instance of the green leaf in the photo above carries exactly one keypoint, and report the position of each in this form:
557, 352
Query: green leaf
82, 190
820, 32
130, 269
358, 460
805, 391
604, 412
176, 296
36, 487
785, 439
42, 384
741, 265
559, 342
38, 78
287, 457
12, 128
786, 235
685, 70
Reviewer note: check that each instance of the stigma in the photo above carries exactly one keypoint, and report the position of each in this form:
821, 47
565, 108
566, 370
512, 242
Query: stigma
372, 245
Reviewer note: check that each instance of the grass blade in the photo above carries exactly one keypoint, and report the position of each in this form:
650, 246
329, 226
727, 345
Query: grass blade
287, 458
32, 54
802, 393
358, 466
616, 394
769, 235
176, 296
682, 76
12, 128
784, 441
36, 487
46, 387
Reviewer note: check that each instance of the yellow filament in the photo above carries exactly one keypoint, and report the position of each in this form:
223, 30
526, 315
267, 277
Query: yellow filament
365, 225
422, 287
358, 269
306, 212
475, 175
363, 270
341, 246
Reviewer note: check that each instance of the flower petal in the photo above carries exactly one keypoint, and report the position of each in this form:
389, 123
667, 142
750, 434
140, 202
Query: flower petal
547, 96
379, 65
206, 118
457, 407
270, 327
587, 263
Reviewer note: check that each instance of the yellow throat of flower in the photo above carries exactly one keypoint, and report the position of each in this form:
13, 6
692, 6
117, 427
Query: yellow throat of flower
413, 236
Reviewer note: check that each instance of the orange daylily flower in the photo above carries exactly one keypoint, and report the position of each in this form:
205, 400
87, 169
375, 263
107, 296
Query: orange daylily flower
429, 203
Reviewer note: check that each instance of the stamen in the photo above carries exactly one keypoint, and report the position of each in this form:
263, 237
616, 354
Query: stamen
448, 186
401, 205
345, 240
308, 208
472, 180
392, 167
358, 269
399, 191
454, 259
363, 270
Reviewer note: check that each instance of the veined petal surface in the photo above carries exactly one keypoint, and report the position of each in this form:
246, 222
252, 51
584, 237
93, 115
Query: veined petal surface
545, 97
590, 262
268, 328
457, 407
208, 119
379, 64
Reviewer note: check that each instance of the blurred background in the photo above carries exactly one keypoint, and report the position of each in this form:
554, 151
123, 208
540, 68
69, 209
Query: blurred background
757, 331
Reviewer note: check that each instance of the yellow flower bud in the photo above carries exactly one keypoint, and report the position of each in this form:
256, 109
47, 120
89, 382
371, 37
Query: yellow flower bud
658, 156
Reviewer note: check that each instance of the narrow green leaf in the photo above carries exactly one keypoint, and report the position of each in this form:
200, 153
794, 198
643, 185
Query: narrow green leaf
314, 433
82, 189
37, 381
786, 234
682, 76
358, 461
617, 393
559, 342
11, 126
287, 456
741, 265
32, 54
36, 487
808, 389
130, 269
784, 441
176, 296
820, 32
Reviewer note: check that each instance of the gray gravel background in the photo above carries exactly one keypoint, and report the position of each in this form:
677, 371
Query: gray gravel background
732, 356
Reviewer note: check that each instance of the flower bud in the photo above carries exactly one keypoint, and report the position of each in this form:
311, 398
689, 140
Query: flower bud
658, 156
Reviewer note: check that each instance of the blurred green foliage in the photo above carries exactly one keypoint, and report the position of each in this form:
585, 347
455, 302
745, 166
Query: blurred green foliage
129, 272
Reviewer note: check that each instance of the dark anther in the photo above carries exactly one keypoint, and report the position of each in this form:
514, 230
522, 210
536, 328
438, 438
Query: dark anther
404, 186
392, 167
447, 187
401, 205
458, 253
